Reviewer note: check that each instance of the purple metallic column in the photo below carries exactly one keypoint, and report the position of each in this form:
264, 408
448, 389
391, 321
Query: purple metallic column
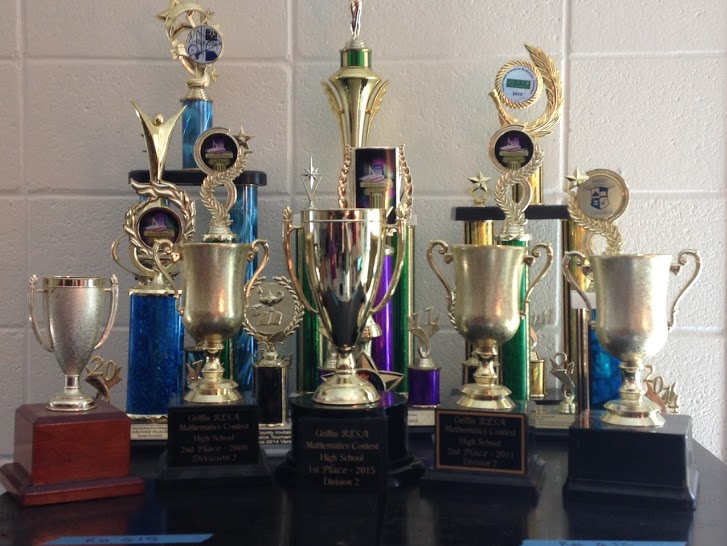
382, 347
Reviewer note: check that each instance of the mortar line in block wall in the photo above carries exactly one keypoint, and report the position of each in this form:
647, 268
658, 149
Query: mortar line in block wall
565, 78
22, 84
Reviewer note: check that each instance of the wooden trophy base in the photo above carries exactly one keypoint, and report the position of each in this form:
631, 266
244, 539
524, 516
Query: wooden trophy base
65, 457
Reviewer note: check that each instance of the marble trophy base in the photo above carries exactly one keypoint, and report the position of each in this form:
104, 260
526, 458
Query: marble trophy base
64, 457
484, 451
363, 448
213, 444
632, 466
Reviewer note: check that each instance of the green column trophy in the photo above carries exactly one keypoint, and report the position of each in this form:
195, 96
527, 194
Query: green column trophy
213, 430
632, 324
481, 438
519, 85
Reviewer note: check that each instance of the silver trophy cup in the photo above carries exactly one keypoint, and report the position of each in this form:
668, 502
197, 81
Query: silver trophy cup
632, 322
212, 305
485, 307
75, 321
344, 256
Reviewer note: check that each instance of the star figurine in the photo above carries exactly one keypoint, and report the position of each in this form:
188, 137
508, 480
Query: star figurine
576, 179
479, 190
311, 178
164, 14
243, 139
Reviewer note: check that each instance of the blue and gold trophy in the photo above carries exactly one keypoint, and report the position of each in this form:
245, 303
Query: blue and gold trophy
197, 43
156, 357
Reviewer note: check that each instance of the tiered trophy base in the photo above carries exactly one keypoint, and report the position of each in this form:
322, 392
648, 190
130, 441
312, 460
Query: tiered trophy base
64, 457
486, 451
350, 448
631, 466
213, 444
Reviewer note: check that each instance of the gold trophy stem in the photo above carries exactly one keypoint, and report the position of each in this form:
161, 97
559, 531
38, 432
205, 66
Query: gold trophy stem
486, 392
633, 408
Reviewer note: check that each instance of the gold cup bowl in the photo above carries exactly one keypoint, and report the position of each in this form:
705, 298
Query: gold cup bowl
212, 305
632, 322
344, 256
75, 322
485, 307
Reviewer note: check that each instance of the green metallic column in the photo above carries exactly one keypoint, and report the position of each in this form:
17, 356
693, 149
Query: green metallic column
515, 357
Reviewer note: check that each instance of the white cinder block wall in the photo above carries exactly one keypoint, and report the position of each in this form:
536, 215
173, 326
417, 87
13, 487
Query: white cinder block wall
645, 95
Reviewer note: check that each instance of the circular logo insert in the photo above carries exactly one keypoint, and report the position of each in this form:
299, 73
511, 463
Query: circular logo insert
512, 149
158, 223
204, 44
604, 195
216, 151
519, 84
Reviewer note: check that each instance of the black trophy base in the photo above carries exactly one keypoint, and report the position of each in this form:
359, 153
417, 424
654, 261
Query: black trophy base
512, 486
353, 448
222, 475
632, 466
486, 451
213, 443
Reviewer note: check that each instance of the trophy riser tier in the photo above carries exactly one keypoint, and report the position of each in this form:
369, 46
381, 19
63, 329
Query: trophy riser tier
156, 354
484, 451
64, 457
646, 467
361, 448
213, 444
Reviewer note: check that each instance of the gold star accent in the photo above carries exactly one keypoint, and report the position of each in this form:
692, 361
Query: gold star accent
311, 178
164, 14
576, 179
243, 139
479, 190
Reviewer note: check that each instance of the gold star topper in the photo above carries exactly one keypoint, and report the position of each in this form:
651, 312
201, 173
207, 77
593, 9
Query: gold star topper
576, 179
479, 190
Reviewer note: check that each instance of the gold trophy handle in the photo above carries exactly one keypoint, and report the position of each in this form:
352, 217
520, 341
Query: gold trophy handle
447, 257
400, 230
676, 269
117, 259
288, 229
581, 259
529, 261
266, 254
31, 310
167, 246
114, 290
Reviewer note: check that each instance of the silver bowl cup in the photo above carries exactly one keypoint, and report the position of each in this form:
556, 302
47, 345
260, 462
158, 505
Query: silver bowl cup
485, 308
344, 256
632, 322
75, 321
212, 305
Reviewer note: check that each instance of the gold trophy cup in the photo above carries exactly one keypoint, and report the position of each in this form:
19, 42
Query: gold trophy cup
485, 308
632, 321
344, 254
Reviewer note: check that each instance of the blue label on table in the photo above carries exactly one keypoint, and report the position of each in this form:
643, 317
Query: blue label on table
599, 543
131, 539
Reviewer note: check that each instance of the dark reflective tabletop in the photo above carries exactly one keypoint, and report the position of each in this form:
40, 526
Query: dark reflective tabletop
270, 515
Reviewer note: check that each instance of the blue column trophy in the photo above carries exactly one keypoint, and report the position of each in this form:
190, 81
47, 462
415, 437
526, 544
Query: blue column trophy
197, 43
156, 357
